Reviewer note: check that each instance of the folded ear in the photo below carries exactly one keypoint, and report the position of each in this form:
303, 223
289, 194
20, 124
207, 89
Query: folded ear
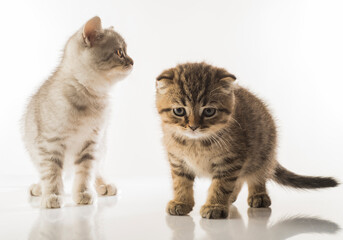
224, 75
91, 30
163, 80
167, 74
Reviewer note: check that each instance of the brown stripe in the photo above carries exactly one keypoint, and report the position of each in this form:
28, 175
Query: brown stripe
230, 179
74, 101
183, 93
44, 152
175, 165
225, 161
51, 177
164, 110
222, 121
86, 145
226, 173
84, 157
183, 101
179, 140
54, 139
78, 107
230, 160
224, 110
185, 175
54, 160
202, 94
206, 142
57, 153
57, 161
223, 190
169, 122
107, 58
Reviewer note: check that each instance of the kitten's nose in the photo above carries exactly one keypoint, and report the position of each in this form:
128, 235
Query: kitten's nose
194, 127
129, 61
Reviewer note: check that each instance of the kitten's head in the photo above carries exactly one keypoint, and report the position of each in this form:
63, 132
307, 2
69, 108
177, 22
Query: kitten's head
98, 53
195, 100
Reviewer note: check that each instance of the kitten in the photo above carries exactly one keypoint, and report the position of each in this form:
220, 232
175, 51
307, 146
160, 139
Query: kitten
65, 120
215, 128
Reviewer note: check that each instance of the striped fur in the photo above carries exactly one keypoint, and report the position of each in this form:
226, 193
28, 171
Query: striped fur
235, 145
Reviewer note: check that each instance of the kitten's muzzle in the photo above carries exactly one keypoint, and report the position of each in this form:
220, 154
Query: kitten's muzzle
194, 127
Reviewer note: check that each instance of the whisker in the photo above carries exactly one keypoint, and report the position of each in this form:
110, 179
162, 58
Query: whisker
237, 122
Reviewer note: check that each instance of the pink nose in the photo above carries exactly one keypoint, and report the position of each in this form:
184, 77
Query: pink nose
193, 127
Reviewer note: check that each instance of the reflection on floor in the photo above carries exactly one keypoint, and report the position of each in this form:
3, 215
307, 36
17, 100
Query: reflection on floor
183, 228
82, 222
138, 212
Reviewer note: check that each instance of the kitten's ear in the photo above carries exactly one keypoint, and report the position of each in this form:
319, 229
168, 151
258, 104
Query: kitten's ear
163, 80
167, 74
224, 75
91, 30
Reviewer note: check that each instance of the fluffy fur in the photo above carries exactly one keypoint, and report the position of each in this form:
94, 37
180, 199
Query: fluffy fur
213, 127
65, 121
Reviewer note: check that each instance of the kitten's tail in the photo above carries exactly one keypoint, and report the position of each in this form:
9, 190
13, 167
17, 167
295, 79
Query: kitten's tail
290, 179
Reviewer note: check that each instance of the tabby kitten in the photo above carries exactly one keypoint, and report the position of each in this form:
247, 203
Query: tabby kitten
65, 120
215, 128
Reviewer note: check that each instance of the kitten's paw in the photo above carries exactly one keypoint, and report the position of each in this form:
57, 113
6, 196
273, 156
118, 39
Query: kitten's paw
51, 201
84, 198
106, 189
260, 200
215, 211
178, 208
35, 190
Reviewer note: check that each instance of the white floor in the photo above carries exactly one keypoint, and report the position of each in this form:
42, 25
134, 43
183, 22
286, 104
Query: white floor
138, 212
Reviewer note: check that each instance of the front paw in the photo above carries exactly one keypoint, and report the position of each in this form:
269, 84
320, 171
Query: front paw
179, 208
85, 198
106, 189
51, 201
214, 211
260, 200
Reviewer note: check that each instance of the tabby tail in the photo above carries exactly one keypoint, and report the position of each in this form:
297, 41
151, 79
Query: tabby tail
290, 179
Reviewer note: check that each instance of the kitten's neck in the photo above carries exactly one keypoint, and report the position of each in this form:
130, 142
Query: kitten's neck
79, 77
73, 67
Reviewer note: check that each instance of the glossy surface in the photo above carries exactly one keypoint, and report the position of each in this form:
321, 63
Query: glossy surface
138, 212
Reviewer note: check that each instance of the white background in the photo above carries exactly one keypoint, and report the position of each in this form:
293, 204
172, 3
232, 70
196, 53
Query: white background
288, 52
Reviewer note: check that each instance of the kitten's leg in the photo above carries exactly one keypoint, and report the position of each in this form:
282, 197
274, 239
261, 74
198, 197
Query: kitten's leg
84, 174
183, 201
236, 190
258, 197
50, 168
103, 188
223, 185
217, 204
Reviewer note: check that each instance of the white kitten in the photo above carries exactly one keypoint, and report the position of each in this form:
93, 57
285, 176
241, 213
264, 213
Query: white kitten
65, 121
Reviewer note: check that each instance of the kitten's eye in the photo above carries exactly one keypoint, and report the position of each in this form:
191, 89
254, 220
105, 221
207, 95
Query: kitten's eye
120, 53
179, 112
209, 112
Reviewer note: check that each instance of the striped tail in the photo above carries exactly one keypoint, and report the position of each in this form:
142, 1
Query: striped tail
290, 179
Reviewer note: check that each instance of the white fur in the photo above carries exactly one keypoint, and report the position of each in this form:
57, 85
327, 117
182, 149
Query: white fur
59, 119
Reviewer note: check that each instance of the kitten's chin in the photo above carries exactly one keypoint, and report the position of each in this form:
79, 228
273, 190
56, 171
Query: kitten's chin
194, 135
119, 73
